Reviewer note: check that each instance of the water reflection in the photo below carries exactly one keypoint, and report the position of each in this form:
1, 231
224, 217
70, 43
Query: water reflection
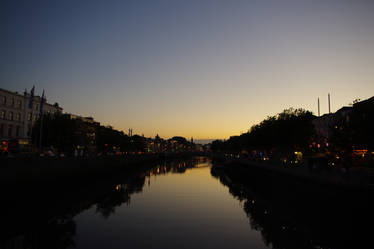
119, 195
57, 234
43, 217
179, 166
188, 202
299, 215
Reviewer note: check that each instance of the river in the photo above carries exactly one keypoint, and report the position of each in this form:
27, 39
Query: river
180, 206
187, 204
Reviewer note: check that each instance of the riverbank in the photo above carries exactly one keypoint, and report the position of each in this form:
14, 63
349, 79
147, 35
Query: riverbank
355, 178
44, 170
293, 213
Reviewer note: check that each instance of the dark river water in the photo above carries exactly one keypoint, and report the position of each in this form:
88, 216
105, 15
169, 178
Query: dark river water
189, 204
182, 208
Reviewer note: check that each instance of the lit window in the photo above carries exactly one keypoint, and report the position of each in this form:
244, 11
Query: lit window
10, 115
36, 107
2, 115
18, 116
29, 116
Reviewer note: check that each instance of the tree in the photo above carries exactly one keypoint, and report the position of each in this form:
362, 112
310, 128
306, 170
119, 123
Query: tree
108, 138
59, 131
289, 130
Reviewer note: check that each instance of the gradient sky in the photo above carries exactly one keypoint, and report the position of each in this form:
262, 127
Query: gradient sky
202, 69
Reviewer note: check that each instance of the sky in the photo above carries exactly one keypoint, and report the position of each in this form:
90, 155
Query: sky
201, 69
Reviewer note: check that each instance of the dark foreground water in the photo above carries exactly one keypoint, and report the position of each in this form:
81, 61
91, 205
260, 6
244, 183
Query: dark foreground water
187, 204
182, 208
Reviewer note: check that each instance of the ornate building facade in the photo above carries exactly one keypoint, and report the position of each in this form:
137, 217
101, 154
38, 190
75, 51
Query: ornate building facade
17, 116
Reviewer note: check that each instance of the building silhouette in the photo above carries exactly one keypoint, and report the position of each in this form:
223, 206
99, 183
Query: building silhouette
18, 113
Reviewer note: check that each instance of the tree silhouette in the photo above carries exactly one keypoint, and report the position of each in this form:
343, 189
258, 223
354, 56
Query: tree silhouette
288, 130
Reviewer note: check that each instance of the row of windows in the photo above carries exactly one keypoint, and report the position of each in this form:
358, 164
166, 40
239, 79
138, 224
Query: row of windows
11, 131
11, 116
17, 104
17, 117
12, 102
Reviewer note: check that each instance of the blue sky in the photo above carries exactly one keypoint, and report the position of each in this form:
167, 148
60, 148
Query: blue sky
202, 69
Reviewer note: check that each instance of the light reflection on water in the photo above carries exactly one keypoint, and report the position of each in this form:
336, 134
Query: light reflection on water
187, 204
181, 206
